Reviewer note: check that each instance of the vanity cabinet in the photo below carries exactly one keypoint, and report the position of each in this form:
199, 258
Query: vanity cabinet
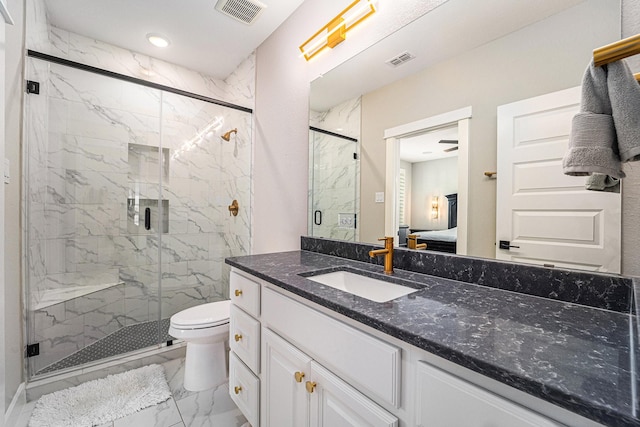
244, 389
244, 345
446, 400
285, 370
302, 366
299, 392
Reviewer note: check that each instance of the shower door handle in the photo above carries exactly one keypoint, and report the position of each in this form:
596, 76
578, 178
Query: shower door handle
147, 219
317, 217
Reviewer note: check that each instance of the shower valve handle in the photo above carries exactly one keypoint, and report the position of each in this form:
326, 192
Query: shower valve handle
234, 208
147, 219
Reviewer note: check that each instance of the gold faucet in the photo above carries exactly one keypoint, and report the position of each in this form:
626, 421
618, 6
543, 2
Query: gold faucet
412, 242
387, 252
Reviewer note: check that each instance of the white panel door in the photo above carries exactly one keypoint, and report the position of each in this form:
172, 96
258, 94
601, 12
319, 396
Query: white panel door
334, 403
285, 401
548, 217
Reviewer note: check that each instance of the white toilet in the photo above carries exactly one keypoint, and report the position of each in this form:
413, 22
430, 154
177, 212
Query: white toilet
204, 328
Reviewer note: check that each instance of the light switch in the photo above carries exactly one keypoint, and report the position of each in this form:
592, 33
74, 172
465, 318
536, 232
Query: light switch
7, 171
380, 197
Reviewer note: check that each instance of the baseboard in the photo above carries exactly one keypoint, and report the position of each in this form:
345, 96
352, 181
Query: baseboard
15, 408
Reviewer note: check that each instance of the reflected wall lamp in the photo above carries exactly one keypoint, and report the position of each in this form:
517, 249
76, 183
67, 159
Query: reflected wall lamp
434, 207
335, 32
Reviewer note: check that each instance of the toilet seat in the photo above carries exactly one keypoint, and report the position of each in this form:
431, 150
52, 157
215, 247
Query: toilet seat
202, 316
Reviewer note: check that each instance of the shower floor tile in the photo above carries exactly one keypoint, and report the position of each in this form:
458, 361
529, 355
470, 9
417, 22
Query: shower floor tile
124, 340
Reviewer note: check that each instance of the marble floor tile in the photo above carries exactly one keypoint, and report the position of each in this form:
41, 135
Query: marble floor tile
162, 415
212, 407
25, 414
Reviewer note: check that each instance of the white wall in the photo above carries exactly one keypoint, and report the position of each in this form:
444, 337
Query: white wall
13, 320
432, 178
3, 285
281, 117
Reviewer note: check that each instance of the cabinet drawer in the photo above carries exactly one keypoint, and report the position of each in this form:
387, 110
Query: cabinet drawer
244, 388
244, 338
245, 292
364, 361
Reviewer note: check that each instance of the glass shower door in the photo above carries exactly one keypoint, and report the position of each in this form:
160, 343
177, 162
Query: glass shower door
127, 219
333, 178
92, 185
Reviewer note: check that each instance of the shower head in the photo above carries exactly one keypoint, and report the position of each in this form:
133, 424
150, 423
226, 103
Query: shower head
227, 136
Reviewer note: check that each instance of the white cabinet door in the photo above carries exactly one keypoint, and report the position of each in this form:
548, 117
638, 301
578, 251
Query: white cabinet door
285, 369
334, 403
444, 400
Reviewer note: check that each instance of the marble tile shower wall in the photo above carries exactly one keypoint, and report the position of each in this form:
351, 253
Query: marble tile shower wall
333, 180
92, 146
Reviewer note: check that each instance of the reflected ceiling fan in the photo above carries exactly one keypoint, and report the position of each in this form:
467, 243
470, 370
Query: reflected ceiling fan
449, 141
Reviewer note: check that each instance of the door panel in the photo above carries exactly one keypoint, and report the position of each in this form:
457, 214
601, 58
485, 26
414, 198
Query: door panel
336, 404
285, 399
549, 217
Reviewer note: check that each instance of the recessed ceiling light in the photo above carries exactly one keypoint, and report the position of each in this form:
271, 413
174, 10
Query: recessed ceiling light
158, 40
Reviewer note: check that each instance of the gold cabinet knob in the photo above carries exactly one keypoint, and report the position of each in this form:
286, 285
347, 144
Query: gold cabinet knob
310, 385
237, 389
237, 337
238, 292
299, 376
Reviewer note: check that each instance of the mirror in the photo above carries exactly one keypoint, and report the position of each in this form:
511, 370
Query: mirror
479, 54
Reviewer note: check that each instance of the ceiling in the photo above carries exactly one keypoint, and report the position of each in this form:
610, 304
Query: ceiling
426, 146
202, 38
455, 27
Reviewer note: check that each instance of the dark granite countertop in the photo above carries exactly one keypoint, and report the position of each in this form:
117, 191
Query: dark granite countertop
578, 357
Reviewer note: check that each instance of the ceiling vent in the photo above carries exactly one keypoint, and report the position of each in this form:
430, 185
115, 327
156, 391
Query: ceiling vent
245, 11
400, 59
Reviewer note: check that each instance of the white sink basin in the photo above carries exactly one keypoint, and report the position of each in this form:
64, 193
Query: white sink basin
363, 286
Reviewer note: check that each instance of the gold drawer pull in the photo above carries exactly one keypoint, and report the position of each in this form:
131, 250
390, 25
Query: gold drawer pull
238, 292
310, 386
237, 389
237, 337
299, 376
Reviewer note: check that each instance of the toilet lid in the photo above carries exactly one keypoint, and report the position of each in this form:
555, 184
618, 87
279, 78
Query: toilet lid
202, 316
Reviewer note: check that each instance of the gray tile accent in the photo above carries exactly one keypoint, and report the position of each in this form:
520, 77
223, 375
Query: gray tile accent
122, 341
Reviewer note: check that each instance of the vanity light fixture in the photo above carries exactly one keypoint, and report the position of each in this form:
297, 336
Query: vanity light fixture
434, 207
158, 40
335, 32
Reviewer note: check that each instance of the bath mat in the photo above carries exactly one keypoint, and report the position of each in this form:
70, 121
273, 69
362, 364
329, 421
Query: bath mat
101, 401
